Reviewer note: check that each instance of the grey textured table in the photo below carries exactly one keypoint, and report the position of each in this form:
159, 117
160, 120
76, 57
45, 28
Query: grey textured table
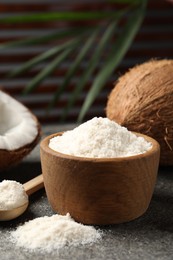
148, 237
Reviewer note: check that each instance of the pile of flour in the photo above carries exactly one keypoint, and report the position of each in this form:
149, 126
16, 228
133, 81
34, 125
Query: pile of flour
12, 195
53, 233
100, 138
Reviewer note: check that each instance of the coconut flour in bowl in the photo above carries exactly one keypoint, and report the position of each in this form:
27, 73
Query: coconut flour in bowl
100, 138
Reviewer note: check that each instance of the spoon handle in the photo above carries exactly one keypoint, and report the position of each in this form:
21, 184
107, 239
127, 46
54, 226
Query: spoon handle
34, 185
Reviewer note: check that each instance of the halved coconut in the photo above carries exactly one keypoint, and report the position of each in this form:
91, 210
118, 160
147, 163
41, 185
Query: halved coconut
19, 131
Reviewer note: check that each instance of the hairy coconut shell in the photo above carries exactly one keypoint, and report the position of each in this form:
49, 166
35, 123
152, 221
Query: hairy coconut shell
11, 158
142, 101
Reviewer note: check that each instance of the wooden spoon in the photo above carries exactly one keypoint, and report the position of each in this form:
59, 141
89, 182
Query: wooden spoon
30, 187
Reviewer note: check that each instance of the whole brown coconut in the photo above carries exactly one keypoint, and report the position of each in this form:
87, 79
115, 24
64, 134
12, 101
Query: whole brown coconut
142, 101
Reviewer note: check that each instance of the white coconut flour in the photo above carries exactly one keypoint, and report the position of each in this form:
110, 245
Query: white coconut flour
101, 138
53, 233
12, 195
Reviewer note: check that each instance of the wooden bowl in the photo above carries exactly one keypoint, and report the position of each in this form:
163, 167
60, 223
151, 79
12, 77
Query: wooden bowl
99, 191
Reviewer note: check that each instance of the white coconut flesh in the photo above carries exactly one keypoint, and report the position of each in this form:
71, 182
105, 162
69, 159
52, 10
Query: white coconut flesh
17, 124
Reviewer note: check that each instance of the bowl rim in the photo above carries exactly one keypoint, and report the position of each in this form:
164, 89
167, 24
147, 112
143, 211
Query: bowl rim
154, 149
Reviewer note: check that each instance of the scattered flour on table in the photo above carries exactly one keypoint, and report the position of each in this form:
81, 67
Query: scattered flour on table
54, 233
101, 138
12, 195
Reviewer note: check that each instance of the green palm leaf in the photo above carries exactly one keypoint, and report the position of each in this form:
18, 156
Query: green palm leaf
72, 39
47, 71
45, 38
119, 49
91, 66
28, 65
73, 68
67, 16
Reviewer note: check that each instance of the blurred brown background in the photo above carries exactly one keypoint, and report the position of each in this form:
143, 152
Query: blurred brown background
154, 40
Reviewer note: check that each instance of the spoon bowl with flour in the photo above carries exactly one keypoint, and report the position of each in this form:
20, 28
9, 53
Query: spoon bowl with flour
14, 196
